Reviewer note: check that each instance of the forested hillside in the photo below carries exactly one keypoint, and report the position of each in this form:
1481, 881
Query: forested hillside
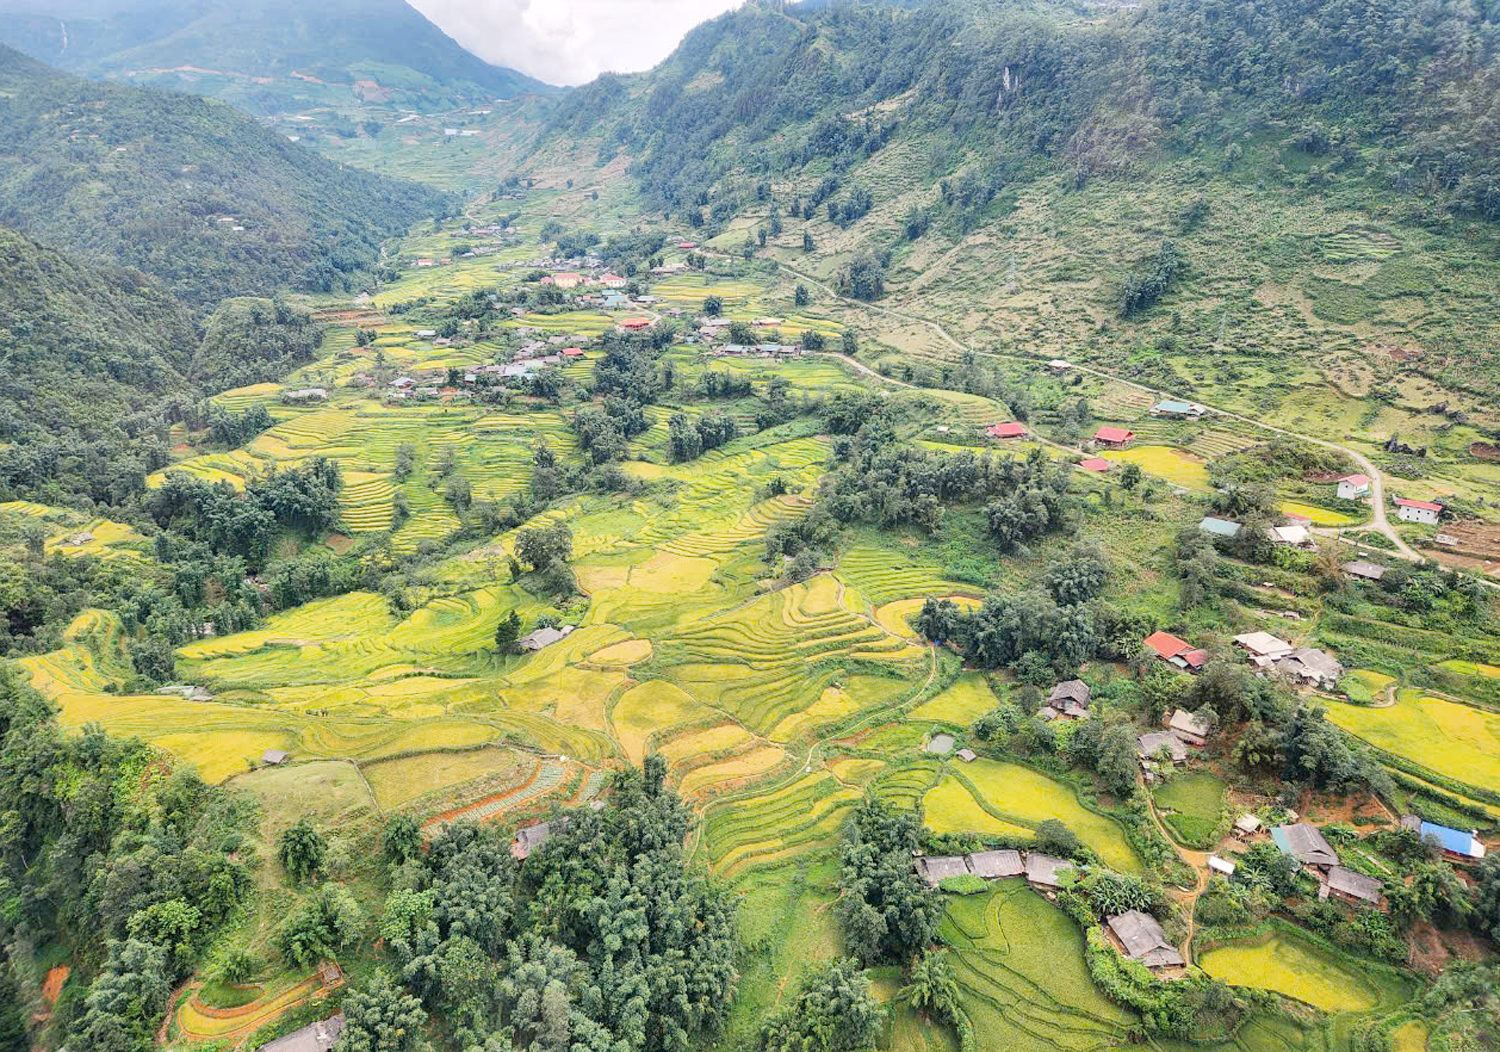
187, 189
1416, 83
266, 56
83, 348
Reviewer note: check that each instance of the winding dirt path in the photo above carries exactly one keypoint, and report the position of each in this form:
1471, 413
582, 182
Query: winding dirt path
1198, 860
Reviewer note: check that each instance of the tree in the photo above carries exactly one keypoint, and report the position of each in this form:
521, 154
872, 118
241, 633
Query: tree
1117, 758
862, 278
320, 927
1487, 904
539, 546
406, 459
713, 306
1054, 838
834, 1012
850, 343
381, 1017
933, 989
807, 241
801, 298
1130, 475
401, 839
507, 632
300, 850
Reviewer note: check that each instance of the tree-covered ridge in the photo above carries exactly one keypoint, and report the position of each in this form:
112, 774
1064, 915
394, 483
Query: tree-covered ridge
83, 347
385, 41
201, 196
1407, 90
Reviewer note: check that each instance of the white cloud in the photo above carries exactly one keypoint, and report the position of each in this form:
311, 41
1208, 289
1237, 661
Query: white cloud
570, 41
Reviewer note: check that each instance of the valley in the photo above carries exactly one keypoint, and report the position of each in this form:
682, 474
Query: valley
632, 607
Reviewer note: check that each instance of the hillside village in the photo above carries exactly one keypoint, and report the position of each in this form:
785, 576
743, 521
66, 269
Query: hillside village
864, 537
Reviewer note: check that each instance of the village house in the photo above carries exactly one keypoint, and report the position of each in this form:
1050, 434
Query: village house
635, 324
1246, 826
1346, 884
1045, 871
306, 394
315, 1037
1353, 487
994, 865
1292, 536
1216, 527
1363, 570
532, 837
572, 354
1149, 745
1316, 668
567, 279
1113, 437
1458, 846
1264, 649
1188, 729
1059, 366
1176, 410
1068, 700
1176, 652
1140, 938
1306, 844
1095, 464
544, 637
1011, 429
967, 755
1423, 511
935, 869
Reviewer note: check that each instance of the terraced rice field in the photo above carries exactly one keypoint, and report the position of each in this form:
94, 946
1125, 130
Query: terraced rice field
1165, 462
73, 534
1461, 741
1295, 969
763, 828
403, 779
1016, 796
1022, 979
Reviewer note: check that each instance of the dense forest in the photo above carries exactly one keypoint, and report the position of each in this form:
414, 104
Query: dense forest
1406, 91
85, 348
191, 191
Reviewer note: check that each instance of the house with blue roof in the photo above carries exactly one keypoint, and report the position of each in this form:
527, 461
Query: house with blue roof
1457, 844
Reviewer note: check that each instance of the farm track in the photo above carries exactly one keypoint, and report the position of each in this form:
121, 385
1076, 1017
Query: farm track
1380, 521
1189, 899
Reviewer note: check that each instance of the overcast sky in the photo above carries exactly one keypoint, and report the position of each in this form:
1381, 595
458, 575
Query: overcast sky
570, 41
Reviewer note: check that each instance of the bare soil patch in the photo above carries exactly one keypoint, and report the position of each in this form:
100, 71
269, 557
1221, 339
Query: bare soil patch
1484, 451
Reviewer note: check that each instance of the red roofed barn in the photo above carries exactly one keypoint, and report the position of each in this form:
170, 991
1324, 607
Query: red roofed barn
1114, 437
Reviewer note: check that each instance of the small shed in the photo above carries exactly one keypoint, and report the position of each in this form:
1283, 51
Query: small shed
1148, 745
1346, 884
967, 755
934, 869
1221, 866
1144, 940
1246, 825
1188, 728
1217, 527
275, 757
1305, 843
1045, 871
992, 865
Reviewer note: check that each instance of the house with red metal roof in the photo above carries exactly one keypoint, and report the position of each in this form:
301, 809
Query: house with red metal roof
635, 324
1113, 437
1176, 652
1352, 487
1098, 464
1011, 429
1423, 511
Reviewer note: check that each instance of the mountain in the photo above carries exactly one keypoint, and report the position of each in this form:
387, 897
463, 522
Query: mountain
265, 56
1311, 176
188, 189
83, 347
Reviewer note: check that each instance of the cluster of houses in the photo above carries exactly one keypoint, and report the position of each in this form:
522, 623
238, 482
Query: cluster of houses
1295, 534
1183, 729
1304, 665
1135, 934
